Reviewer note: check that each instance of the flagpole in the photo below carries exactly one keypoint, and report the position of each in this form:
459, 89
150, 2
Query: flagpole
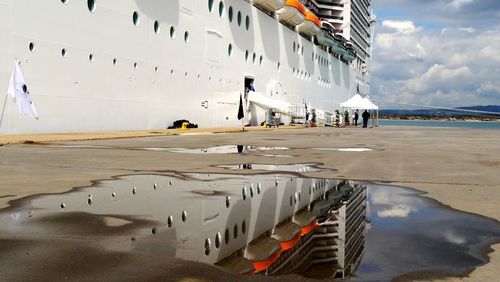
3, 109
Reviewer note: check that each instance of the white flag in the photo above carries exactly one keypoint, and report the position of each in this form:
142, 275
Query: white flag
19, 91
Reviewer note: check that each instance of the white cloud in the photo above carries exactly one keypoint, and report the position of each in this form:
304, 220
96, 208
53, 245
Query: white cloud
404, 27
454, 238
467, 29
397, 211
457, 4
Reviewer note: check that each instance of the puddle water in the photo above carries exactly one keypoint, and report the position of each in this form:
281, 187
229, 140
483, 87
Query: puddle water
275, 167
414, 235
228, 149
265, 224
345, 149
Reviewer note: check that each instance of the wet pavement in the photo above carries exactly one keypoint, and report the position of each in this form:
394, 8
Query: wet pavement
300, 168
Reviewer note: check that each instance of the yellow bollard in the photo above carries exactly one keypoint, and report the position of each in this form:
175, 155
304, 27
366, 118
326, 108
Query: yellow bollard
185, 126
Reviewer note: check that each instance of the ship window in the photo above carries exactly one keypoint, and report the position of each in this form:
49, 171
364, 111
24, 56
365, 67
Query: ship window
294, 46
64, 1
63, 52
186, 36
243, 227
279, 66
246, 56
261, 61
208, 244
218, 240
235, 231
226, 236
91, 58
156, 68
230, 14
210, 5
91, 5
239, 18
136, 65
31, 46
157, 27
172, 32
135, 18
115, 62
221, 9
230, 50
247, 22
254, 57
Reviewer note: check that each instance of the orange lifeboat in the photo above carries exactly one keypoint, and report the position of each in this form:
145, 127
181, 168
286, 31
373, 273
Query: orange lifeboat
311, 25
269, 5
293, 13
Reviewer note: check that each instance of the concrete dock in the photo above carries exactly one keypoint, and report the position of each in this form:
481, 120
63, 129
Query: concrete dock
458, 167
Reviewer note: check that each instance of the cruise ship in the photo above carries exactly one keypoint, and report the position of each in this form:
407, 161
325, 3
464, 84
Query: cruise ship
102, 65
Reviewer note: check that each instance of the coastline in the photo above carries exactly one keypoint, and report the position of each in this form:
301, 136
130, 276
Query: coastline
455, 166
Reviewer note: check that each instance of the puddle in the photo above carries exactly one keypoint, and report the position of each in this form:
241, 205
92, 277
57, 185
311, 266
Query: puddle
268, 224
344, 149
275, 167
227, 149
413, 235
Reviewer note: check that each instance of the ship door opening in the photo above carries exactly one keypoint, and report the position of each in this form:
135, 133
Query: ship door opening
248, 86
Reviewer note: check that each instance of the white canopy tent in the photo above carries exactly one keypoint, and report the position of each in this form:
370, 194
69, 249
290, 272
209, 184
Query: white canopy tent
357, 102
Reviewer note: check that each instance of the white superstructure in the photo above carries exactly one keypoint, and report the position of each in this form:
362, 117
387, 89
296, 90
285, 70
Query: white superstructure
96, 65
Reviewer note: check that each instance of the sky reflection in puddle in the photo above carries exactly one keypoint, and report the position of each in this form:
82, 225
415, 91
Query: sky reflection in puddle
275, 167
414, 235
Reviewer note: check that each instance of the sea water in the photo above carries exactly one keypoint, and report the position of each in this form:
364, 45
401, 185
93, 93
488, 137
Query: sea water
434, 123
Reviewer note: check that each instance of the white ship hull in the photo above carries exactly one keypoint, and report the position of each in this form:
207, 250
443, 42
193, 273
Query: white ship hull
173, 79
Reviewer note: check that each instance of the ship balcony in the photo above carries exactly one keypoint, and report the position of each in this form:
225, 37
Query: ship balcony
269, 5
293, 13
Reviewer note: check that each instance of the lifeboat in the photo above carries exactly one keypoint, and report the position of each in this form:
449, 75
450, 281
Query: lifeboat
293, 13
288, 235
269, 5
350, 54
311, 25
263, 253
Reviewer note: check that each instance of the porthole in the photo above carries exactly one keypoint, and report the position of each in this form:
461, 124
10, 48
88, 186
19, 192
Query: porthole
210, 5
186, 36
184, 216
31, 46
208, 244
64, 1
243, 227
230, 50
239, 18
185, 74
228, 201
226, 236
135, 18
156, 70
172, 32
230, 14
218, 240
91, 58
247, 22
254, 57
235, 231
221, 9
261, 61
244, 193
298, 48
63, 53
170, 221
294, 47
136, 65
91, 5
115, 62
246, 56
278, 66
157, 27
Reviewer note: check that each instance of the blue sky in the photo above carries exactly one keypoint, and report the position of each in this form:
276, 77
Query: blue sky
442, 53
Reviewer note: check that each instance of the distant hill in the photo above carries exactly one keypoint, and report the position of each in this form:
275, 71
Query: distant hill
489, 108
442, 113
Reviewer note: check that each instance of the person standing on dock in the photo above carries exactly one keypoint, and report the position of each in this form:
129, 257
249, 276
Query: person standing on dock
366, 117
356, 117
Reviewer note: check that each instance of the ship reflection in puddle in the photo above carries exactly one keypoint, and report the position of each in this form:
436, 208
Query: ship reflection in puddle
226, 149
255, 224
301, 168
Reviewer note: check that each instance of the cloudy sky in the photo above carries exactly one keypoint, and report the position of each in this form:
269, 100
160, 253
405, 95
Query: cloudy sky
442, 53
